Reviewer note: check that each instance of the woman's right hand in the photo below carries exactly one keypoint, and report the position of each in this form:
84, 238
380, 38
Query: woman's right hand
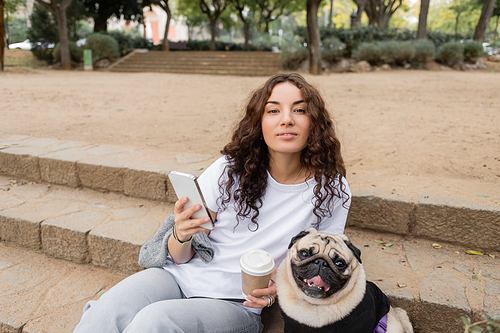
185, 226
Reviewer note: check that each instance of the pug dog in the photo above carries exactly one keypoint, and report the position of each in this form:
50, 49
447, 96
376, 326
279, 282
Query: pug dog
322, 287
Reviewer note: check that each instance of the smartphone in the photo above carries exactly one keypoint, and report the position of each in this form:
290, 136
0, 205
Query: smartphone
186, 185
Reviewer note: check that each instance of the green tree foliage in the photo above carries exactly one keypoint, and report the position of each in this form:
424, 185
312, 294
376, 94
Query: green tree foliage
443, 19
102, 10
269, 10
44, 29
192, 15
43, 32
10, 8
458, 7
17, 30
379, 12
201, 10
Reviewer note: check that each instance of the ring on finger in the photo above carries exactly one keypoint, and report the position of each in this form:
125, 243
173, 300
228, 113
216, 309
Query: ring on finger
270, 300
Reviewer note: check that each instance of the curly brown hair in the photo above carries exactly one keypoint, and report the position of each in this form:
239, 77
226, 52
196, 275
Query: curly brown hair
248, 154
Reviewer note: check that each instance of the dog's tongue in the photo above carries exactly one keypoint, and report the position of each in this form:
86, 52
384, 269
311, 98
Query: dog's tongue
318, 282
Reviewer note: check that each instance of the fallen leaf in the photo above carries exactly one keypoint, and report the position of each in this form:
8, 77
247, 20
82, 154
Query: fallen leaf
491, 255
483, 195
49, 186
402, 285
436, 245
474, 252
456, 252
388, 244
379, 241
101, 292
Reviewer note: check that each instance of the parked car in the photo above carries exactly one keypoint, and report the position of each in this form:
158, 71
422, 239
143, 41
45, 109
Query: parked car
488, 48
26, 45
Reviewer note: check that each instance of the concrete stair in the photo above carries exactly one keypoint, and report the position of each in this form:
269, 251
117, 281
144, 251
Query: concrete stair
200, 62
73, 216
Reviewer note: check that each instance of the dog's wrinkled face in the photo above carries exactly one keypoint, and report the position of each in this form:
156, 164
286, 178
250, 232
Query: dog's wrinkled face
322, 264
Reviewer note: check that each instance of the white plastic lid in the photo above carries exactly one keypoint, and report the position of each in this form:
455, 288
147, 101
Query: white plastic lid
257, 262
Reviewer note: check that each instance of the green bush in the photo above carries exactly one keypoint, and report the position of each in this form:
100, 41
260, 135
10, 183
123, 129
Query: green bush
125, 41
204, 45
18, 30
424, 52
333, 49
42, 33
75, 52
440, 38
451, 54
388, 51
472, 49
352, 38
292, 55
404, 53
370, 52
396, 53
139, 42
103, 46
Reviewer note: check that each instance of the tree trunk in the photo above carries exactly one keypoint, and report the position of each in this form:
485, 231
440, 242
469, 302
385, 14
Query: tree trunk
6, 30
213, 30
457, 20
266, 26
2, 36
313, 37
165, 47
63, 37
361, 9
484, 19
422, 19
246, 29
330, 15
496, 26
100, 24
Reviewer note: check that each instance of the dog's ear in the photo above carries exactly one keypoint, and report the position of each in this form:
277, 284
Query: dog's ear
354, 249
298, 236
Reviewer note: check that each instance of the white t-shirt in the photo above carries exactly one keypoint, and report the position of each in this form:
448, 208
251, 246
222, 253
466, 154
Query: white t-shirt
286, 210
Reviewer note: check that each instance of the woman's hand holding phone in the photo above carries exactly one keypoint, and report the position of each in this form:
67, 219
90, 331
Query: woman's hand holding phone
185, 226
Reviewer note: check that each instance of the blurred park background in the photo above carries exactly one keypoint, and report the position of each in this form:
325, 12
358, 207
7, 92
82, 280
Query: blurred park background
391, 32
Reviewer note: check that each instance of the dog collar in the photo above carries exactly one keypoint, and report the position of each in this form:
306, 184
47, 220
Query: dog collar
381, 326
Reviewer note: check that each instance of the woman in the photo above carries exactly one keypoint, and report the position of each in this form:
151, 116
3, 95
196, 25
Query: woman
281, 173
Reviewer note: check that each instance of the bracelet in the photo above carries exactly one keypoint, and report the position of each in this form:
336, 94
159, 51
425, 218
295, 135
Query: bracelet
178, 241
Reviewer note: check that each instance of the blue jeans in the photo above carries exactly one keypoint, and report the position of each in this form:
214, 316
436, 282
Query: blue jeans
151, 301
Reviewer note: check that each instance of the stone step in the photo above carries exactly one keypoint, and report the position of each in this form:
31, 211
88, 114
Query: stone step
195, 71
221, 63
106, 229
209, 54
202, 65
142, 173
42, 294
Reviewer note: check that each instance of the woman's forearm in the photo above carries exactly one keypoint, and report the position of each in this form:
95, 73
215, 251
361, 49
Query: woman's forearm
179, 253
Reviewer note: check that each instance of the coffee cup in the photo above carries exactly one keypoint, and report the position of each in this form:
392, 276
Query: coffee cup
256, 268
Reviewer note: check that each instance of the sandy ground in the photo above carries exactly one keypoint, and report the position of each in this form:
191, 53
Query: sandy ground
417, 134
